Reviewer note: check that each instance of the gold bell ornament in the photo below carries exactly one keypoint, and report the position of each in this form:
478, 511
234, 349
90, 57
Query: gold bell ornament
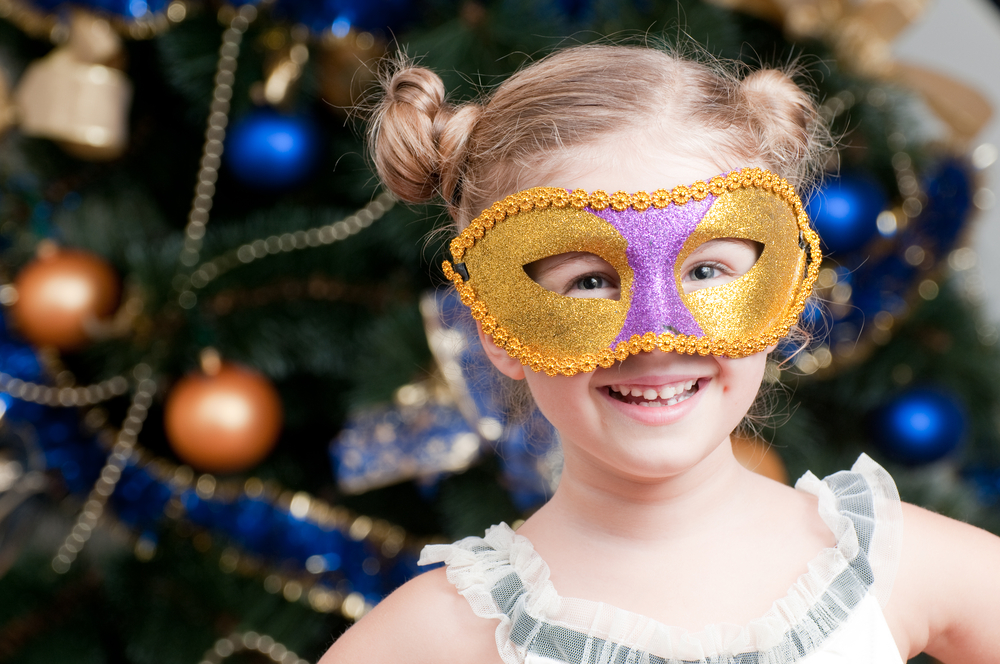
75, 95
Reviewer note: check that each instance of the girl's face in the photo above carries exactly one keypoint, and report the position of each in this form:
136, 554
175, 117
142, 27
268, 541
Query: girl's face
656, 414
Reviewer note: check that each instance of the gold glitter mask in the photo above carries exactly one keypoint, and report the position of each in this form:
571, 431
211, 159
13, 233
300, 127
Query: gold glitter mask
646, 238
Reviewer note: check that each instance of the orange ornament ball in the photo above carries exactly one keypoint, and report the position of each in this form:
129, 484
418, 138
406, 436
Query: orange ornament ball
756, 455
223, 423
60, 293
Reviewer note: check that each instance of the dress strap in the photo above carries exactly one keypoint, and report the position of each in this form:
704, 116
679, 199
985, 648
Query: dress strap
862, 508
502, 578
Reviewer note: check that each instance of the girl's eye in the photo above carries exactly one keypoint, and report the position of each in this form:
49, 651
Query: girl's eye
576, 274
703, 272
717, 262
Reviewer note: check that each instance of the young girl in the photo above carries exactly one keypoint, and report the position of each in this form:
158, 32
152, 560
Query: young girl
632, 247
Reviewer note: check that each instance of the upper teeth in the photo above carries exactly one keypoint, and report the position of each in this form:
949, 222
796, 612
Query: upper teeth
650, 393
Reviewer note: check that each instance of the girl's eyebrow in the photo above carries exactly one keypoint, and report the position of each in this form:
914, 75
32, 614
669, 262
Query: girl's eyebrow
757, 248
563, 258
727, 240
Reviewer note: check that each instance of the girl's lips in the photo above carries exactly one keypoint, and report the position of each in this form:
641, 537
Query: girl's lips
668, 411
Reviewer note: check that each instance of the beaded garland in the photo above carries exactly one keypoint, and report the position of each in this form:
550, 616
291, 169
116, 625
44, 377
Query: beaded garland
542, 198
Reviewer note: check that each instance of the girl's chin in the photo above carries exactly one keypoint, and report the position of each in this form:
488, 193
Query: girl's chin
650, 462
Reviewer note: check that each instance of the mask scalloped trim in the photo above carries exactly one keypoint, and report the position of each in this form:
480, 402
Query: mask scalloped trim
544, 197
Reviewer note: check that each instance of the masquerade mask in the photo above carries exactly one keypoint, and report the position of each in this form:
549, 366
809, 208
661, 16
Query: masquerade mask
646, 238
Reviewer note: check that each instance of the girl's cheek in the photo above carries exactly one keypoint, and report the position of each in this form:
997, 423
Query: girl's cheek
558, 394
746, 374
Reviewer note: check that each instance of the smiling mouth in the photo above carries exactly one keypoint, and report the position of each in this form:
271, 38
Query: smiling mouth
654, 397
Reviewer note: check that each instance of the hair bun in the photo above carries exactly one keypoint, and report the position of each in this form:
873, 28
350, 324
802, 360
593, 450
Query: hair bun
781, 114
418, 138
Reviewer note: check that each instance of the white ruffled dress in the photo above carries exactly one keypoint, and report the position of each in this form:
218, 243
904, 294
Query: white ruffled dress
833, 613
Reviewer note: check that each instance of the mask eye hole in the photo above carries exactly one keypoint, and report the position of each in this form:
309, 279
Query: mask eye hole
576, 274
718, 262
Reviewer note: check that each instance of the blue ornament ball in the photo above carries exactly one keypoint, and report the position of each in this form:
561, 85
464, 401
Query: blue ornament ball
845, 211
272, 150
920, 426
340, 16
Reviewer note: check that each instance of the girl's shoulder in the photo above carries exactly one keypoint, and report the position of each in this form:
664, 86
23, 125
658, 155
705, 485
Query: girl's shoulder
423, 621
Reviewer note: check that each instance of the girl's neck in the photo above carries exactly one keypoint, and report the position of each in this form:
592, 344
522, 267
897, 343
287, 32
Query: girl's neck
595, 503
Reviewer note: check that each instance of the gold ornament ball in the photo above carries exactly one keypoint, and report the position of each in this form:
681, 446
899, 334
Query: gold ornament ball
60, 293
346, 68
756, 455
223, 423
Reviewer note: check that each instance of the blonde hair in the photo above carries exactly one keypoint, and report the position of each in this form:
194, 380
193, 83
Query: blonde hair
475, 153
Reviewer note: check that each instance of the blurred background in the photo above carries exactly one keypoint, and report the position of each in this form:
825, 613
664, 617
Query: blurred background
236, 395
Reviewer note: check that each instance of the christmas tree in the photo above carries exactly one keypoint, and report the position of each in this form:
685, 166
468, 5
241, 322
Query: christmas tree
237, 394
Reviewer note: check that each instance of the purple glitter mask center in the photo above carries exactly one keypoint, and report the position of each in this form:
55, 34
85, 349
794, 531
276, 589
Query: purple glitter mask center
655, 238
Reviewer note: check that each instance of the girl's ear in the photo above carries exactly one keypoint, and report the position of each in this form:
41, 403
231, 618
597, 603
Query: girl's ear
504, 363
